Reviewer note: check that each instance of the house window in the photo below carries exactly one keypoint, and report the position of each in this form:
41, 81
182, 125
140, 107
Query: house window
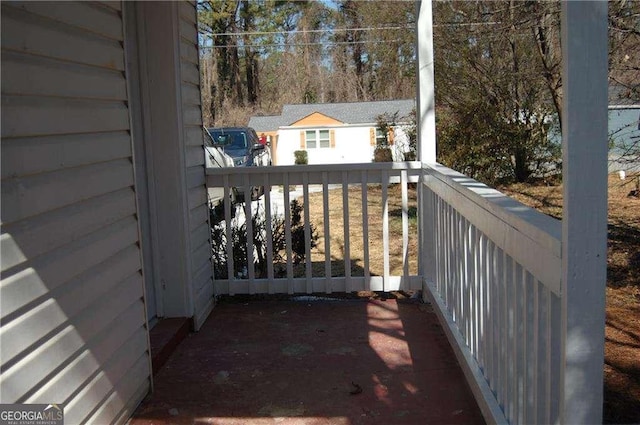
381, 140
317, 139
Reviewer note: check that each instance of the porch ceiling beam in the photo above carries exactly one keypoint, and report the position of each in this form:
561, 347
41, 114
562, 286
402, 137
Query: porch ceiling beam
584, 224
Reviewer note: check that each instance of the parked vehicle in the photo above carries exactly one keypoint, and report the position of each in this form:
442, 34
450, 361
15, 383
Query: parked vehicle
243, 145
215, 157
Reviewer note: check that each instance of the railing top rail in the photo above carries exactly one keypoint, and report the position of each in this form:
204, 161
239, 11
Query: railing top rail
413, 168
522, 229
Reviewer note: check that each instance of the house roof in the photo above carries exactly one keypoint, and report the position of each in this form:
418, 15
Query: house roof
620, 95
347, 113
266, 123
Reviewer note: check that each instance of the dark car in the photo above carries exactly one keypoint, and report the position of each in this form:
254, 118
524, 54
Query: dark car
243, 145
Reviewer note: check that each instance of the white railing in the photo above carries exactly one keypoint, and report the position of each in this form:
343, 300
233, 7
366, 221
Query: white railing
348, 177
490, 266
492, 269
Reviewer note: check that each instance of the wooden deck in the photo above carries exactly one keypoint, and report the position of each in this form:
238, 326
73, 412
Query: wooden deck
309, 361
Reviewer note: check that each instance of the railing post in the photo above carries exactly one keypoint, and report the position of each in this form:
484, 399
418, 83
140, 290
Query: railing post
584, 223
426, 119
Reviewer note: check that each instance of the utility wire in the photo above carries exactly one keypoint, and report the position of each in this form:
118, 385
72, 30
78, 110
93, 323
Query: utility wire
303, 31
330, 30
328, 43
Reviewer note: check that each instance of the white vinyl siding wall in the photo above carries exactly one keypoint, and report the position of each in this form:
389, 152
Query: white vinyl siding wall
73, 317
200, 244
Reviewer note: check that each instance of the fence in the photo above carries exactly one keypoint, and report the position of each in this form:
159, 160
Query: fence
348, 177
493, 270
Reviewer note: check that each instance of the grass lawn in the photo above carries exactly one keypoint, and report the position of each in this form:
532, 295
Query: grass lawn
374, 223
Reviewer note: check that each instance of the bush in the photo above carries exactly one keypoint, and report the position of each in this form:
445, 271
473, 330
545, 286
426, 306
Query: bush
302, 158
382, 154
279, 244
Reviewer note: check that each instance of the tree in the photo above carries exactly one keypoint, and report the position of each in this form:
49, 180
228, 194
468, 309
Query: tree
495, 109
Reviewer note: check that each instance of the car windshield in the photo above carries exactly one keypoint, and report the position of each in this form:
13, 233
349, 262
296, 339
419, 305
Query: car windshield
231, 139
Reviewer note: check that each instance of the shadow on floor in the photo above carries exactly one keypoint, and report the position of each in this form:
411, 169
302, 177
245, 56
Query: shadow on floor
342, 362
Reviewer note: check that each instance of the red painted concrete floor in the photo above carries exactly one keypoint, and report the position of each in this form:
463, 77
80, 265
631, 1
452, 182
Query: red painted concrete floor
341, 362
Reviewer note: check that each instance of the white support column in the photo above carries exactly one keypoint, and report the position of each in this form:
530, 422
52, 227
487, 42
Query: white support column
584, 224
162, 110
426, 93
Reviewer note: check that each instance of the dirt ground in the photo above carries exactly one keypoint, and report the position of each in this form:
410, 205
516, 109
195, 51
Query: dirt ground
622, 332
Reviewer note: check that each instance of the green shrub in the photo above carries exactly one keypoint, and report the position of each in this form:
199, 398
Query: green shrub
382, 154
279, 244
302, 158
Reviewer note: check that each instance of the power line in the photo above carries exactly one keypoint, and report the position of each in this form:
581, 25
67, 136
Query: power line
330, 30
209, 32
329, 43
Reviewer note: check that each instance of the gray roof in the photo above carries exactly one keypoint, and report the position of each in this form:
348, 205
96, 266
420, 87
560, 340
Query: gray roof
348, 113
620, 95
266, 123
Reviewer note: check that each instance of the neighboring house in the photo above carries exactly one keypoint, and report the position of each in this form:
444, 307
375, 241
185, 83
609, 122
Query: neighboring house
335, 132
102, 172
624, 129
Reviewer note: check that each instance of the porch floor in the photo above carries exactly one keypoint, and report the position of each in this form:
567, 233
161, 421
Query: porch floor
309, 361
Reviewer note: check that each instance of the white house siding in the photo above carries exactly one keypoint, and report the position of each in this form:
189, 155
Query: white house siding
200, 244
352, 145
73, 318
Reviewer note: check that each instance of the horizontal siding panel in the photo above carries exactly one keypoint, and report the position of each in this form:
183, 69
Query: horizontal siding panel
199, 236
35, 116
190, 73
188, 30
192, 115
48, 272
201, 254
95, 393
29, 196
198, 216
194, 156
190, 94
97, 352
195, 177
40, 234
197, 196
25, 32
58, 349
126, 395
189, 52
188, 11
26, 74
204, 296
24, 156
54, 312
113, 5
194, 136
87, 16
203, 276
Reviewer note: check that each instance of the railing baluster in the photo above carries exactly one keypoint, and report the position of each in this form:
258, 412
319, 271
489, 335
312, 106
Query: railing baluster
268, 220
307, 234
385, 229
520, 342
229, 234
464, 286
483, 302
248, 215
365, 230
327, 234
405, 229
346, 233
488, 267
287, 233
